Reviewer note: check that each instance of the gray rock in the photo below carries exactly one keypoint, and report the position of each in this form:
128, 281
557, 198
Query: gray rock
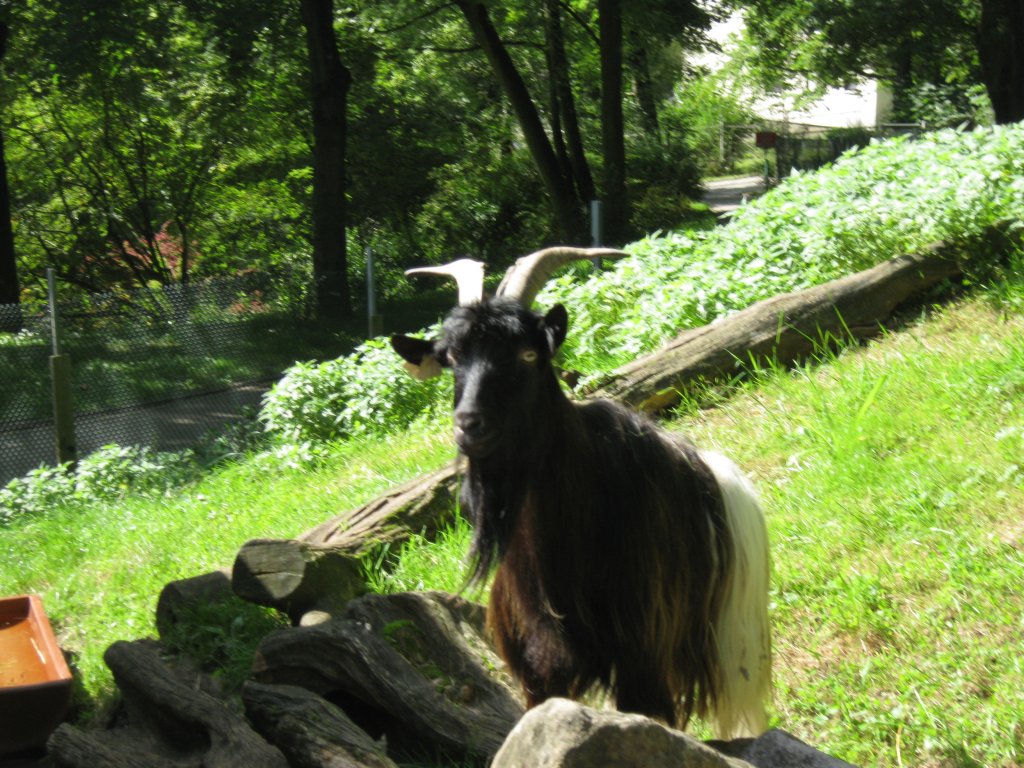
564, 734
778, 749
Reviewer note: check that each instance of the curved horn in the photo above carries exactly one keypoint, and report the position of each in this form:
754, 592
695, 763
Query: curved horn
468, 273
527, 276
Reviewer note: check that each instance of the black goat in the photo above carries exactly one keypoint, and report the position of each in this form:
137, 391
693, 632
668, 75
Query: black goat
626, 557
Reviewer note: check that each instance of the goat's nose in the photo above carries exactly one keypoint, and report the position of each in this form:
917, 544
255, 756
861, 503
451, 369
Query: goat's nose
470, 422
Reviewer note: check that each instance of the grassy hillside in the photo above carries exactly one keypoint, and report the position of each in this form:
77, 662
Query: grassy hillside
893, 474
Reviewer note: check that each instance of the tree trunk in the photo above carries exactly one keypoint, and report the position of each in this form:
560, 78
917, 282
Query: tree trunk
568, 215
903, 79
643, 82
613, 142
565, 104
1001, 51
330, 81
10, 292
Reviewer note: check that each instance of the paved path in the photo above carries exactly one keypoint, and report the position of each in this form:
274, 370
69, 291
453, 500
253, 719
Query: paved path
725, 195
169, 425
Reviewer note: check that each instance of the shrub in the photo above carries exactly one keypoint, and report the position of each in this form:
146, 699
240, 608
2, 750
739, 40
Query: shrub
887, 198
366, 392
111, 472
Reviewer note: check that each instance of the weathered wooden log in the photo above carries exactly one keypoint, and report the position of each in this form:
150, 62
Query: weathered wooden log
321, 570
781, 329
414, 665
295, 578
179, 597
166, 716
73, 747
312, 732
422, 505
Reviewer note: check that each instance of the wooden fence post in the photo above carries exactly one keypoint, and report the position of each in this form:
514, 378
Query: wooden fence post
60, 377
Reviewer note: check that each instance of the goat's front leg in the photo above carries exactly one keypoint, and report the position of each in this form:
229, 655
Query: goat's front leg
531, 643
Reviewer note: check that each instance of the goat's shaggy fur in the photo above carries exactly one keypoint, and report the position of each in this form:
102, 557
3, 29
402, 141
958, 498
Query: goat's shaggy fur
625, 557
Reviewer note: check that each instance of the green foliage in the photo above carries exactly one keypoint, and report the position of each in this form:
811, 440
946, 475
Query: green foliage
889, 198
904, 43
664, 182
109, 473
947, 105
115, 141
491, 206
223, 637
707, 109
366, 392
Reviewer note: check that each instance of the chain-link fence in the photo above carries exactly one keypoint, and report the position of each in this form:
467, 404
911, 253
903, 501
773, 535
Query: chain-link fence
157, 367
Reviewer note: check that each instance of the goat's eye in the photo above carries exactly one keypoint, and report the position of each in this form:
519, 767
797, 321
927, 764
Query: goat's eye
528, 356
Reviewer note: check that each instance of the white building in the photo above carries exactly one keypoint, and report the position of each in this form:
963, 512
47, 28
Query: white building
864, 104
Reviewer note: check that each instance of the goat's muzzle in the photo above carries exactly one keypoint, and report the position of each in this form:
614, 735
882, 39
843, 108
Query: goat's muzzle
473, 434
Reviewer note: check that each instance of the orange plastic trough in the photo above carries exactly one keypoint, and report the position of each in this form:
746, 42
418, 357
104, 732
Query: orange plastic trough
35, 683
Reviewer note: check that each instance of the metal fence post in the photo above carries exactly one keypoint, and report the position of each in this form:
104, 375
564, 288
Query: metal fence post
595, 229
374, 321
60, 377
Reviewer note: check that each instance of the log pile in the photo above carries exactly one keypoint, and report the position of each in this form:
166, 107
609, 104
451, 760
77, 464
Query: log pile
407, 674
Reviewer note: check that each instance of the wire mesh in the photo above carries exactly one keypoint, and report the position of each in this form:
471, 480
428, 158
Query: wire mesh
157, 366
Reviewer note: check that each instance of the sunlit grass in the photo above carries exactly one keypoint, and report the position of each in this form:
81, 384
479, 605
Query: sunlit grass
100, 567
893, 479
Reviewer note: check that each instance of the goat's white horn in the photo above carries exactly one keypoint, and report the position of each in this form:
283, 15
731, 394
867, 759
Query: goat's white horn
468, 273
527, 276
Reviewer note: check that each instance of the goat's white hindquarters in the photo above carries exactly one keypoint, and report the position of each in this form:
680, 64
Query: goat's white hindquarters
743, 634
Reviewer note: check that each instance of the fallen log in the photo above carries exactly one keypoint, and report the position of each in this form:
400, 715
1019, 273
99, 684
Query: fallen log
72, 747
782, 329
166, 721
321, 570
312, 732
411, 667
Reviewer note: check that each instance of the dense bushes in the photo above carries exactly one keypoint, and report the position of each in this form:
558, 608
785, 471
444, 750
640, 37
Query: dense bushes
366, 392
105, 474
888, 198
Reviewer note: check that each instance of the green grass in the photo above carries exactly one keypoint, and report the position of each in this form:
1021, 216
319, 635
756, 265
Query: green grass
893, 479
100, 566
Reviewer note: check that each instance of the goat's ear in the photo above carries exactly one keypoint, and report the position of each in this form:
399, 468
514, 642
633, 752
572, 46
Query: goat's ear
556, 324
420, 359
